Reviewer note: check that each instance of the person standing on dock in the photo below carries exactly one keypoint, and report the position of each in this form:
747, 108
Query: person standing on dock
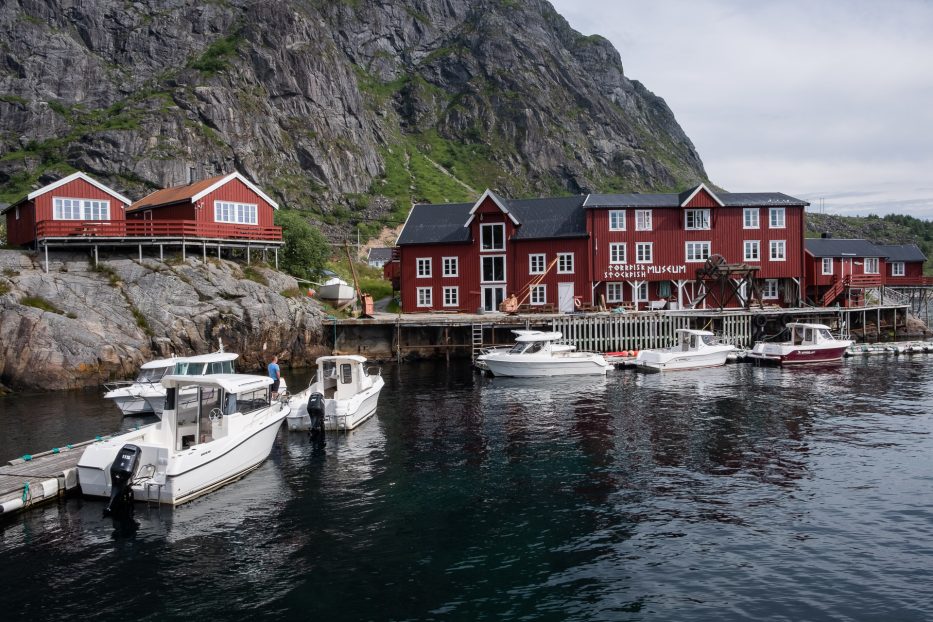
276, 375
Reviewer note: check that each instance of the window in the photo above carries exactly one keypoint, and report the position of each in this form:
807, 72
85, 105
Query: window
697, 251
424, 267
750, 218
614, 292
538, 294
451, 266
752, 250
643, 220
778, 250
536, 264
239, 213
777, 217
897, 268
80, 209
252, 400
493, 269
451, 296
17, 212
827, 265
617, 252
565, 263
424, 296
644, 252
770, 289
617, 220
871, 265
696, 219
641, 292
492, 237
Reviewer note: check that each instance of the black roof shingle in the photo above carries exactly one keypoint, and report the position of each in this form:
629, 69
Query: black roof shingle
902, 252
832, 247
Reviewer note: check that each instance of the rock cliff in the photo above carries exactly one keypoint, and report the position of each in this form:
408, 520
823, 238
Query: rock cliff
81, 325
350, 109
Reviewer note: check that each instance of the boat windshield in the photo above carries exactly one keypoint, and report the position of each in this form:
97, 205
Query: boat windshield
518, 348
825, 335
528, 347
183, 368
151, 375
253, 400
709, 340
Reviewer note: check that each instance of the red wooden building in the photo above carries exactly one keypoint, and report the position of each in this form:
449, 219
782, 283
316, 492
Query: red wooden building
225, 207
641, 250
73, 205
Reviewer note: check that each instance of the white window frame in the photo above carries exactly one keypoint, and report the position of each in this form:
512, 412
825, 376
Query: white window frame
617, 220
615, 291
17, 212
65, 208
451, 301
751, 244
640, 255
874, 263
423, 268
777, 218
534, 258
487, 227
233, 213
643, 220
751, 218
704, 215
615, 256
898, 268
778, 250
451, 266
827, 261
766, 290
641, 292
538, 295
693, 243
493, 258
561, 263
424, 296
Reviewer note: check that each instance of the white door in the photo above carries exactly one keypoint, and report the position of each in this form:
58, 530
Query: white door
492, 296
565, 297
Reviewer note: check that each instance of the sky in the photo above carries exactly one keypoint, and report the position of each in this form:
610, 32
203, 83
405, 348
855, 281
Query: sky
819, 99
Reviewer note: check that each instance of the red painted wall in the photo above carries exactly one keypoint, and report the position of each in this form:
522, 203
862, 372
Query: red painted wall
237, 192
182, 210
21, 231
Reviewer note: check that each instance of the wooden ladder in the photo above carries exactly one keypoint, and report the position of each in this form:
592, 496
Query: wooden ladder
477, 341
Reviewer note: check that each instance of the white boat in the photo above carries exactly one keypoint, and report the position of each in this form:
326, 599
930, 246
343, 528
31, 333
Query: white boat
343, 393
336, 291
480, 361
219, 362
537, 354
130, 396
809, 343
214, 430
695, 349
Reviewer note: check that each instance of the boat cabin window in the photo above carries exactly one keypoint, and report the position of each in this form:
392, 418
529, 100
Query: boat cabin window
709, 340
346, 373
252, 400
518, 348
152, 375
184, 368
797, 336
193, 423
824, 334
170, 399
211, 403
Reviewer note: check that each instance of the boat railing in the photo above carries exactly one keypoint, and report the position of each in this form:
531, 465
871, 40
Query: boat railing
118, 384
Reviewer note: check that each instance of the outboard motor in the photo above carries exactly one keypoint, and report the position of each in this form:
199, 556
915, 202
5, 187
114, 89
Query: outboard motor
316, 413
122, 471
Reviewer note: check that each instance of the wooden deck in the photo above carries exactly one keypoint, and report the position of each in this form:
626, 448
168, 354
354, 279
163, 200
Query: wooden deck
40, 478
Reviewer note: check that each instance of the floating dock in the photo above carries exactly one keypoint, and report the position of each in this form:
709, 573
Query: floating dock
39, 478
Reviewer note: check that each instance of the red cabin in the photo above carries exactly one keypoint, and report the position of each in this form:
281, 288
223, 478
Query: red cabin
225, 207
75, 205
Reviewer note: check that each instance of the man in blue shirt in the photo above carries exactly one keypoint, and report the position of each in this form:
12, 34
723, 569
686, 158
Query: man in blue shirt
276, 376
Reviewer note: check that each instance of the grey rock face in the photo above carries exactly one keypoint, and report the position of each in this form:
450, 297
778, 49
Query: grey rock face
106, 322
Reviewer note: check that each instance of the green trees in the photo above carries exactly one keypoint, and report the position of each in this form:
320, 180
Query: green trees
306, 249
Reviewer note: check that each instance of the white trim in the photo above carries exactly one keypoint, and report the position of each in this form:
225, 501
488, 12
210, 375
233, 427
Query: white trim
612, 247
430, 264
709, 219
619, 286
430, 302
505, 267
777, 290
495, 199
531, 294
831, 266
234, 211
407, 218
543, 257
877, 264
745, 244
709, 248
783, 212
448, 288
771, 247
697, 191
444, 267
489, 227
757, 211
79, 175
623, 214
650, 246
81, 204
901, 264
229, 178
650, 220
573, 262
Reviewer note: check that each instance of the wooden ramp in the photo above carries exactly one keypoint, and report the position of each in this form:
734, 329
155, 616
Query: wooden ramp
35, 479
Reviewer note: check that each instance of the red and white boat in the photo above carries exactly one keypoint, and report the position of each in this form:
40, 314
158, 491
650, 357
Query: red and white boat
809, 343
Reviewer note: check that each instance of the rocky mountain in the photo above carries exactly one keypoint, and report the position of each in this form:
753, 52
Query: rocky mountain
80, 324
347, 108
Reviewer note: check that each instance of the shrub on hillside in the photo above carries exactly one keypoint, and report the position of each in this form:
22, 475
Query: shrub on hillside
306, 249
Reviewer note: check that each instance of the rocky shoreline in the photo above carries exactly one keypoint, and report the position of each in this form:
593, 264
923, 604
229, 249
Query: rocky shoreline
81, 325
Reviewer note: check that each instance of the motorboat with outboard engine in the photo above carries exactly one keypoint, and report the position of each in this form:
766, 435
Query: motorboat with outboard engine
342, 395
695, 349
537, 353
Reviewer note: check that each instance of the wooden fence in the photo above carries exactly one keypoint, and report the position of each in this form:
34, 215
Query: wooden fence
617, 332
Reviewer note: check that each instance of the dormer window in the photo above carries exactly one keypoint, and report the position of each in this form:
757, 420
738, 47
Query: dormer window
492, 237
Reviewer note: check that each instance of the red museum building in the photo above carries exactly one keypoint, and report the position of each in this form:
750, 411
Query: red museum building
638, 250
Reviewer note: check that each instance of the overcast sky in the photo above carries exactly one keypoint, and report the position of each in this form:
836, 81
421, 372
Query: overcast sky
813, 98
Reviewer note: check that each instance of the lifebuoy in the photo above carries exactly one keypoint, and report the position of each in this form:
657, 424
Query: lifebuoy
576, 302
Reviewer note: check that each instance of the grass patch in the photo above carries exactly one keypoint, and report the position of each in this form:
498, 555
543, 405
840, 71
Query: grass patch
10, 272
4, 288
141, 321
291, 292
251, 274
38, 302
112, 277
218, 54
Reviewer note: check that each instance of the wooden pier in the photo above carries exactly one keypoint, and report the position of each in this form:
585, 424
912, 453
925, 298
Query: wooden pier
39, 478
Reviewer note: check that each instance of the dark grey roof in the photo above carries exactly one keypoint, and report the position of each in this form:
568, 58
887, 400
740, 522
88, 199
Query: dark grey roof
902, 252
831, 247
380, 253
730, 199
436, 224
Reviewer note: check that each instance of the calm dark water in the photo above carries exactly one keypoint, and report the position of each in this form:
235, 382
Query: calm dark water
741, 493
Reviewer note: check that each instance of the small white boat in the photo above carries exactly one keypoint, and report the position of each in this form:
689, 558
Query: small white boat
214, 430
219, 362
130, 396
537, 354
480, 361
343, 393
809, 343
695, 349
336, 291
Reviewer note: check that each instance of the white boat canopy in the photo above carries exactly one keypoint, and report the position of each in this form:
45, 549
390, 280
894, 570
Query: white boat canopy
341, 357
793, 325
159, 363
691, 331
231, 383
538, 336
213, 357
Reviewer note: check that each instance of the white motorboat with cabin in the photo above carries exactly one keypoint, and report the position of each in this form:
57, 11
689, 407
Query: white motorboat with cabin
219, 362
130, 396
342, 395
809, 343
336, 291
214, 430
480, 361
695, 349
537, 354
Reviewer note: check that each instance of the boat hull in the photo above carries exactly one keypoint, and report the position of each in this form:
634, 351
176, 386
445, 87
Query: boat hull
545, 366
658, 362
337, 294
798, 356
130, 404
337, 417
